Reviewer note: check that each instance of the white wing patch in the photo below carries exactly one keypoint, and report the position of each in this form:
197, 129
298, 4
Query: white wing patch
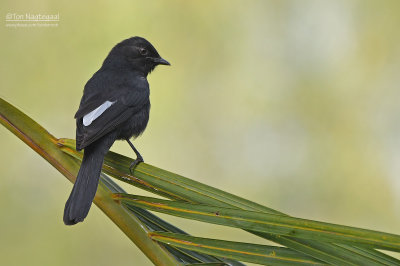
90, 117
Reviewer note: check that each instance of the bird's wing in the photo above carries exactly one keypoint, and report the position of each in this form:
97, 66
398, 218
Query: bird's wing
93, 115
89, 105
94, 122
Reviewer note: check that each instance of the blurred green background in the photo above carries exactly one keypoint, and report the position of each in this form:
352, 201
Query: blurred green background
293, 104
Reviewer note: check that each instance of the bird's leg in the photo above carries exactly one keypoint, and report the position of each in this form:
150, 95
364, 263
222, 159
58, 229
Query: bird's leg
139, 157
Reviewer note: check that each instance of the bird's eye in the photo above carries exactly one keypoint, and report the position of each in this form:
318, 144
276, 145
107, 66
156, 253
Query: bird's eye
143, 51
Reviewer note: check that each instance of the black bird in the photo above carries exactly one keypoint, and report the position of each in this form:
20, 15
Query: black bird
115, 106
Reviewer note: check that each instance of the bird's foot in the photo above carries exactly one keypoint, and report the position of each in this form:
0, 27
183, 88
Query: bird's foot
134, 164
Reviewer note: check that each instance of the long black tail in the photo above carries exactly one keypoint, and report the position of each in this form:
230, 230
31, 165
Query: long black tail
78, 204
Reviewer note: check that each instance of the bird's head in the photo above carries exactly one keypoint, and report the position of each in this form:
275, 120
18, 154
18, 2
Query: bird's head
135, 53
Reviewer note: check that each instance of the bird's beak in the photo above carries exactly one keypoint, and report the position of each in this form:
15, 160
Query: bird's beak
161, 61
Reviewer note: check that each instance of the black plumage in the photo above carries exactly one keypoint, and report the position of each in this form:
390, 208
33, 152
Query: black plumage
115, 105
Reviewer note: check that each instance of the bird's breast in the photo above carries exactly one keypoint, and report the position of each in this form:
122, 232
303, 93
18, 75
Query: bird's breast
136, 124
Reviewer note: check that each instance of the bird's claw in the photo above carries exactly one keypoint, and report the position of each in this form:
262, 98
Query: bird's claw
134, 164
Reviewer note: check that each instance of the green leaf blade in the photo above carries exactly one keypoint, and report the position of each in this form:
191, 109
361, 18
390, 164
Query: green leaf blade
261, 254
182, 188
268, 223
